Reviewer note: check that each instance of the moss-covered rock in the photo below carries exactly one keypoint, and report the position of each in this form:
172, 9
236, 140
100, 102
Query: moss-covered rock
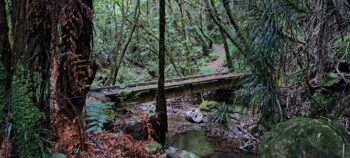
208, 105
306, 138
153, 147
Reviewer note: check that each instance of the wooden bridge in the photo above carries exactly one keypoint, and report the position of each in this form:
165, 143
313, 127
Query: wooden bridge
146, 91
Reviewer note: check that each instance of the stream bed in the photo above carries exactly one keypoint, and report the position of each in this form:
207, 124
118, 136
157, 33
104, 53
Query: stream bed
206, 147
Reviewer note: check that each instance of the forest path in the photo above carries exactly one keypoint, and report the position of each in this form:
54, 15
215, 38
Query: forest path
216, 64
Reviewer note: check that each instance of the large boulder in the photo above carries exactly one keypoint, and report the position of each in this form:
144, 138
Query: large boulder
306, 138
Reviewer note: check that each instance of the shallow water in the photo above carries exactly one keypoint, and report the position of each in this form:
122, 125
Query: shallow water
207, 147
232, 155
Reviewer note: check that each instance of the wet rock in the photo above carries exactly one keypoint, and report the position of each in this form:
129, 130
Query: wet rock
257, 130
246, 146
205, 119
306, 137
132, 125
176, 153
195, 116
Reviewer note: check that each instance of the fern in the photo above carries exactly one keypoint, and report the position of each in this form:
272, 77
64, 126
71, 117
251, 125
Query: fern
98, 114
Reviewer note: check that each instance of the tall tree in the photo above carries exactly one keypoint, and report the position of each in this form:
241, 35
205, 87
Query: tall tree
162, 120
5, 82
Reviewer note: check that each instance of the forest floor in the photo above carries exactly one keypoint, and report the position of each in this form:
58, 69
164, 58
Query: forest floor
216, 65
234, 140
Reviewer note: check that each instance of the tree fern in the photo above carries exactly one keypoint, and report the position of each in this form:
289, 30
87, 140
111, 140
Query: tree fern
98, 114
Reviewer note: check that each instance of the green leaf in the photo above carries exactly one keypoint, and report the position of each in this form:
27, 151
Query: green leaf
330, 79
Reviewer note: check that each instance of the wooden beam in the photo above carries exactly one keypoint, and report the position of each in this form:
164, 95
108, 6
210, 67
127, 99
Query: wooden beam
145, 92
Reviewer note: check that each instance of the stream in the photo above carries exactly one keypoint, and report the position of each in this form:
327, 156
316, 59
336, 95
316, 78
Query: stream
196, 138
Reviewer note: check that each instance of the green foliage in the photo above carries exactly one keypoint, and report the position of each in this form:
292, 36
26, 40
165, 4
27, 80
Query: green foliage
2, 72
153, 147
182, 35
221, 115
29, 133
206, 71
251, 95
342, 45
213, 55
306, 138
330, 79
324, 103
98, 114
238, 59
208, 105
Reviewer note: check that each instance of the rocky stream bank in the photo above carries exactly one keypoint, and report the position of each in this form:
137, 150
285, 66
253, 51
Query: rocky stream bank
193, 133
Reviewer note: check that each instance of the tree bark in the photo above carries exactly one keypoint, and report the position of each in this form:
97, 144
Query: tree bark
227, 52
5, 84
72, 70
161, 100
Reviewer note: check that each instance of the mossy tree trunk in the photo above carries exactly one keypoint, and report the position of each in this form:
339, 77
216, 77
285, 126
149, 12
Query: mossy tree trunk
38, 26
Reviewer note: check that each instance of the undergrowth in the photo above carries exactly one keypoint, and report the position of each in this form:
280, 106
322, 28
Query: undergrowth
29, 133
98, 114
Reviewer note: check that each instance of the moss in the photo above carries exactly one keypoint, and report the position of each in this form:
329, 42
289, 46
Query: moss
27, 130
208, 105
324, 104
305, 137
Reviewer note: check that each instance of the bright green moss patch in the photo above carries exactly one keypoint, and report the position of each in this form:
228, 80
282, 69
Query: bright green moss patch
208, 105
305, 137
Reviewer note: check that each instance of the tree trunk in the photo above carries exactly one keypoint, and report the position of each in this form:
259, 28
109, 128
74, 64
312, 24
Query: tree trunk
215, 17
5, 83
161, 100
72, 71
227, 52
